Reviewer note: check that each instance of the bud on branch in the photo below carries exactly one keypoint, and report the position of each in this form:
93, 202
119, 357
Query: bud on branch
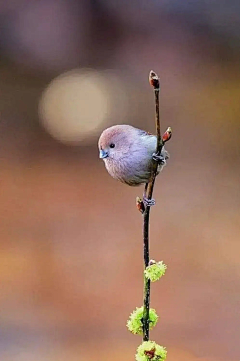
167, 135
154, 80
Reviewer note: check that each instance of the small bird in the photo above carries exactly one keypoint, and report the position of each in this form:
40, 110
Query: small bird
128, 152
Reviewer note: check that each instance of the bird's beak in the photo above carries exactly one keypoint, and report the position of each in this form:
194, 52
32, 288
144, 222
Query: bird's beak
103, 154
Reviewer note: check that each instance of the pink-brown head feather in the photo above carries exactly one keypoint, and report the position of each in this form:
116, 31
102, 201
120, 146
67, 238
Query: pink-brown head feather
121, 137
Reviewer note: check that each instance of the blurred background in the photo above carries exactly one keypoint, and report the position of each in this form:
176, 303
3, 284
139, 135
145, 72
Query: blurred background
71, 237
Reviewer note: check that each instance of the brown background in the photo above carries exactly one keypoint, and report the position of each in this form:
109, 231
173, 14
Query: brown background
71, 247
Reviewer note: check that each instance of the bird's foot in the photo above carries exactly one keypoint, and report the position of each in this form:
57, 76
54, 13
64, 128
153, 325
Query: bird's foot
159, 158
149, 202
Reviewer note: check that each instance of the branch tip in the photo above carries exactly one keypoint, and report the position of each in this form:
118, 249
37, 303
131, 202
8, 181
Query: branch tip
154, 80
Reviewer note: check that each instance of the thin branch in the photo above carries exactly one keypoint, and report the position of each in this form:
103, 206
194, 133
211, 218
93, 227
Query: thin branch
154, 82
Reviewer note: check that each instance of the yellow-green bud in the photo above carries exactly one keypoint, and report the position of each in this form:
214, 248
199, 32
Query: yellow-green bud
151, 351
134, 324
155, 270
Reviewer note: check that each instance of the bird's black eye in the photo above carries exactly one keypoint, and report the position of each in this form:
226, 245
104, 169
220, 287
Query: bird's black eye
112, 145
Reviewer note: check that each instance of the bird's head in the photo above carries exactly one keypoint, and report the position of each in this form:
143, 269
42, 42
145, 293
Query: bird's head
114, 142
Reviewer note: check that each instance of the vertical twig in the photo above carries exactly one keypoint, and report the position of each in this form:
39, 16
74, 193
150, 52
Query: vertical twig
154, 82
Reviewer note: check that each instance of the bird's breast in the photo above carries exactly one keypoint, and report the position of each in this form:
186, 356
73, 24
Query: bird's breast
128, 170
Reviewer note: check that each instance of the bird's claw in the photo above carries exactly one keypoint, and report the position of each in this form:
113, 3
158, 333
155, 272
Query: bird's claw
148, 202
159, 158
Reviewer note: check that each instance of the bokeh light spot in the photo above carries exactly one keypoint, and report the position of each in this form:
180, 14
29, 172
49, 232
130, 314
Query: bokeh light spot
75, 105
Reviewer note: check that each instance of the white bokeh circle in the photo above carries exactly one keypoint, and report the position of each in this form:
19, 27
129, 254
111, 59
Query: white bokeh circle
75, 105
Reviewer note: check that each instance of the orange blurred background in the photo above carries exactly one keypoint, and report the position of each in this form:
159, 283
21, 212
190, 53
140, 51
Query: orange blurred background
71, 237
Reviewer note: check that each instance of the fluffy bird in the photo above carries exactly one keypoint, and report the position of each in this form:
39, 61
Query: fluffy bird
128, 152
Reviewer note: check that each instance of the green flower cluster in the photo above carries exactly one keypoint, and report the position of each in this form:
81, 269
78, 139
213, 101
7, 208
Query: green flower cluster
134, 324
155, 271
151, 351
